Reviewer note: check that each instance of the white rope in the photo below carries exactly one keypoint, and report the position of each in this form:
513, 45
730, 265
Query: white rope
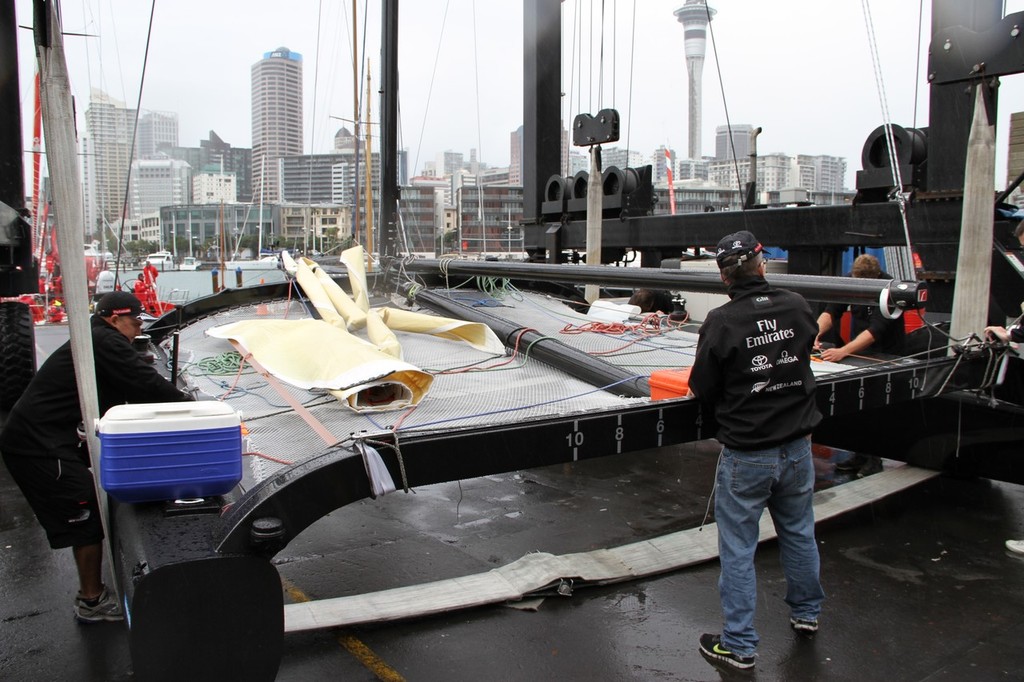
903, 263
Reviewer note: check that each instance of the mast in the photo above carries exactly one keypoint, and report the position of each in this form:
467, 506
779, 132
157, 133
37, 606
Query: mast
62, 160
355, 122
387, 244
259, 238
369, 175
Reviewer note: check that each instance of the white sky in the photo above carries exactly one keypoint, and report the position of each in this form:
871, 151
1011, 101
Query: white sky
800, 69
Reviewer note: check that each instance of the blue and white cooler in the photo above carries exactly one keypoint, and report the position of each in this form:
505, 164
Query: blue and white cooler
166, 451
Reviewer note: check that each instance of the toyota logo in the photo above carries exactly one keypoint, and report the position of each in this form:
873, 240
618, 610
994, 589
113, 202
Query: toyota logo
760, 360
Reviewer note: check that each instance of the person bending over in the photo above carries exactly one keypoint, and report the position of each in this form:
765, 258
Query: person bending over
48, 458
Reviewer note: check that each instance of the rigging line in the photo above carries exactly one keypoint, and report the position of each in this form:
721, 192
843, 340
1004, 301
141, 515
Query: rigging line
725, 102
572, 82
593, 85
479, 138
312, 124
135, 127
906, 265
629, 97
430, 89
600, 62
917, 65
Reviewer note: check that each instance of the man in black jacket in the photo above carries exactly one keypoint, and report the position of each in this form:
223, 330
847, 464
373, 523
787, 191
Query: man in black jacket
47, 457
753, 369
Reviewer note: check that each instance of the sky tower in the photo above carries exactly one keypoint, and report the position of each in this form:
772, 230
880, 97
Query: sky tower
694, 15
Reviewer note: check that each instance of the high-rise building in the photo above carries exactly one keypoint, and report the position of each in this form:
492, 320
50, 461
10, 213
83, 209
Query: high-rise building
158, 131
740, 141
216, 155
108, 124
694, 15
448, 163
156, 183
276, 117
515, 167
1015, 151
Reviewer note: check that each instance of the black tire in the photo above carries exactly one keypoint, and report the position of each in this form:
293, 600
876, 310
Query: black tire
17, 352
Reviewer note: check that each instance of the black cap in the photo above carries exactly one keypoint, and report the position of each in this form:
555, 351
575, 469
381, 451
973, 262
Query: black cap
118, 303
737, 248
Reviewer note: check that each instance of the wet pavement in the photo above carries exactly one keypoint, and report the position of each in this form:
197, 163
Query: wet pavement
920, 586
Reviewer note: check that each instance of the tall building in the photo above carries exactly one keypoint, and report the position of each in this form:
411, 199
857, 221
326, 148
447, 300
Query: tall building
694, 15
276, 117
216, 155
108, 124
156, 183
515, 168
740, 141
158, 131
448, 163
1015, 151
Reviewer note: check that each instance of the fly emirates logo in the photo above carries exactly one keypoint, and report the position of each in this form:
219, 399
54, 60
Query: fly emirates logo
769, 332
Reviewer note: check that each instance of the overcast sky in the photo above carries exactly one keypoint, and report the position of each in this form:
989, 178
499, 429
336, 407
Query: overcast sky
800, 69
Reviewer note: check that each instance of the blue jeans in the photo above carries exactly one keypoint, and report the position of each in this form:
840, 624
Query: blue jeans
782, 478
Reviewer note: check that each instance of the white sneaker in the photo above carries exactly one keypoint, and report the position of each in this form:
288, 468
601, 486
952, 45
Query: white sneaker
1015, 546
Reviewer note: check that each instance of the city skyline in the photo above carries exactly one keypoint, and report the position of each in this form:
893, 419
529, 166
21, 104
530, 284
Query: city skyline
811, 93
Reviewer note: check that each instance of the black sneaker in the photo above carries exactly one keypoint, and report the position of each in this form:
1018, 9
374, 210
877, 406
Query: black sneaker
711, 646
804, 627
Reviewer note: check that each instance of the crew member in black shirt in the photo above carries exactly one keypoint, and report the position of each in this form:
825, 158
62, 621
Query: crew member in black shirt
47, 457
869, 328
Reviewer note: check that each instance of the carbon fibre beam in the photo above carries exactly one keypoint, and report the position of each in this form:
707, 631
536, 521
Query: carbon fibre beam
900, 294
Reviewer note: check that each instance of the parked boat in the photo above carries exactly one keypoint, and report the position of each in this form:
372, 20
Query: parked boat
190, 263
162, 260
264, 263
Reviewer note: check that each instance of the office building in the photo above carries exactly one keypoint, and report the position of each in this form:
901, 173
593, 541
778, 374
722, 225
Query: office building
158, 182
276, 117
740, 141
216, 155
158, 130
108, 154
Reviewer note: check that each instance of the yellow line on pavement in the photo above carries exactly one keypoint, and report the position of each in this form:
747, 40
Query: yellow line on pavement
362, 653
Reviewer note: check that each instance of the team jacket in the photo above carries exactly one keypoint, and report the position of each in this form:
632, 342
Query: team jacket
753, 366
44, 421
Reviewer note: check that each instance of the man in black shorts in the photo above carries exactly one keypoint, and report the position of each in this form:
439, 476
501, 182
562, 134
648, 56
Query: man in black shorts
49, 460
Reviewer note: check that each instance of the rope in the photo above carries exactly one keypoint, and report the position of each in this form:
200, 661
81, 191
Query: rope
904, 264
397, 449
430, 89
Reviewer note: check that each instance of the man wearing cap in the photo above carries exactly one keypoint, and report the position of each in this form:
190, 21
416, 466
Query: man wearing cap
48, 459
753, 370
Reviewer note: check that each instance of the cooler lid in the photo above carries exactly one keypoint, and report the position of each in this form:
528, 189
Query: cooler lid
186, 416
